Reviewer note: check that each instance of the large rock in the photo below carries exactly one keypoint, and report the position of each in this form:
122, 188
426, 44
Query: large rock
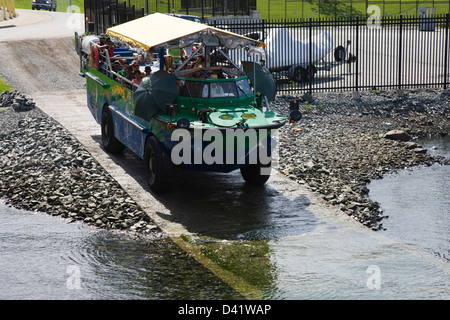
397, 135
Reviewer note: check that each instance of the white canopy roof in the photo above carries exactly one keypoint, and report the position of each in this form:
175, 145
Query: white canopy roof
158, 30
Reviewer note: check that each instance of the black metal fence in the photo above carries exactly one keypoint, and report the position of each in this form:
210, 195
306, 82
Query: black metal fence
373, 53
389, 53
102, 14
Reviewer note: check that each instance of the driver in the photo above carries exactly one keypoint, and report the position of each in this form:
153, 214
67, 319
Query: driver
216, 91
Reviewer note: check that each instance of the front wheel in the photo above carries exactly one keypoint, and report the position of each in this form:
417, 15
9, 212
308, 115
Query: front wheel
256, 174
158, 166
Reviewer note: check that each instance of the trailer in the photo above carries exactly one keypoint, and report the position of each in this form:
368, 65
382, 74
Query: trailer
298, 60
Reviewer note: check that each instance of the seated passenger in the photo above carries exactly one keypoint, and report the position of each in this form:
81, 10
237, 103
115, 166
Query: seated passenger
168, 63
110, 47
106, 43
124, 66
116, 69
129, 75
135, 65
178, 55
145, 58
216, 91
199, 63
148, 70
102, 40
137, 77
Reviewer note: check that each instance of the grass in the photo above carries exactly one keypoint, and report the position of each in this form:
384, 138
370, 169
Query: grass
292, 9
63, 5
4, 85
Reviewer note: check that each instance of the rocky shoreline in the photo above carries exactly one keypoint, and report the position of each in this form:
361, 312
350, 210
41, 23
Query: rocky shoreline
43, 168
342, 143
335, 150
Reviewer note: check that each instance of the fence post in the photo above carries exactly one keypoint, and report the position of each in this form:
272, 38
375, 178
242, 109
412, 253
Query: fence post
310, 56
357, 53
400, 53
447, 22
3, 6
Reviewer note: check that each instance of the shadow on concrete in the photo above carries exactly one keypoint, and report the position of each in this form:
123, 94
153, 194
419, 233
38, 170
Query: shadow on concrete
223, 206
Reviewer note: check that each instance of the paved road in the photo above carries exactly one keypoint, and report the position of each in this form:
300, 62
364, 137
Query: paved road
40, 25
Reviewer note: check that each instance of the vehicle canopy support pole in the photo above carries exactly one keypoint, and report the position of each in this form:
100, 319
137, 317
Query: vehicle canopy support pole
190, 57
228, 58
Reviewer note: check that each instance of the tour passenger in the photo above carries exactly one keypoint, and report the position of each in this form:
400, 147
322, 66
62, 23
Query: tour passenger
137, 77
199, 63
147, 71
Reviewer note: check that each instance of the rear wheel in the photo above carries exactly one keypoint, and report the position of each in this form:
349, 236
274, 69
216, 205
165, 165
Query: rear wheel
109, 141
256, 174
158, 166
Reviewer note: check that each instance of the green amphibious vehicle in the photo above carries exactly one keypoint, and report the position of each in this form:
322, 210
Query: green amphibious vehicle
165, 88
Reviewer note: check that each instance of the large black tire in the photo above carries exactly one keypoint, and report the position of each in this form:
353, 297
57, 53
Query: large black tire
339, 54
109, 141
256, 174
158, 166
299, 74
310, 73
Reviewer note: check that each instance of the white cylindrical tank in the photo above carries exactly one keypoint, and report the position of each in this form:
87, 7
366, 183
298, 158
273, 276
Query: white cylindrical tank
86, 43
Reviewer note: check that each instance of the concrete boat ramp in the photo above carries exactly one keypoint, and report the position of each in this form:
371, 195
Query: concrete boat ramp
196, 211
280, 241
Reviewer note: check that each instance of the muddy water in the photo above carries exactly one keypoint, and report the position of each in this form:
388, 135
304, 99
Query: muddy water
274, 238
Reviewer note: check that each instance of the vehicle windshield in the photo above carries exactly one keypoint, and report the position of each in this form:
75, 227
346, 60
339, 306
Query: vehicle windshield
214, 89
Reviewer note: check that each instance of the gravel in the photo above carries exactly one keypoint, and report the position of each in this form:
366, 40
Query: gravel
43, 65
335, 150
342, 143
43, 168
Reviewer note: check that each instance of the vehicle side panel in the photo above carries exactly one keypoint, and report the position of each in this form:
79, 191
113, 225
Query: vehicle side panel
104, 92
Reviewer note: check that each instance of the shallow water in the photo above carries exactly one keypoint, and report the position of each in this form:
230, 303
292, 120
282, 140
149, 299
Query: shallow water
417, 202
409, 260
43, 257
295, 252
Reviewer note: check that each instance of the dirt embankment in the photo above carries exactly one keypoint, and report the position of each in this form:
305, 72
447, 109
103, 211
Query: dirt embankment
45, 65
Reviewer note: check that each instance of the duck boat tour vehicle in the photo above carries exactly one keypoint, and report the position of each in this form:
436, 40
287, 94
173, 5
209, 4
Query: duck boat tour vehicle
188, 111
